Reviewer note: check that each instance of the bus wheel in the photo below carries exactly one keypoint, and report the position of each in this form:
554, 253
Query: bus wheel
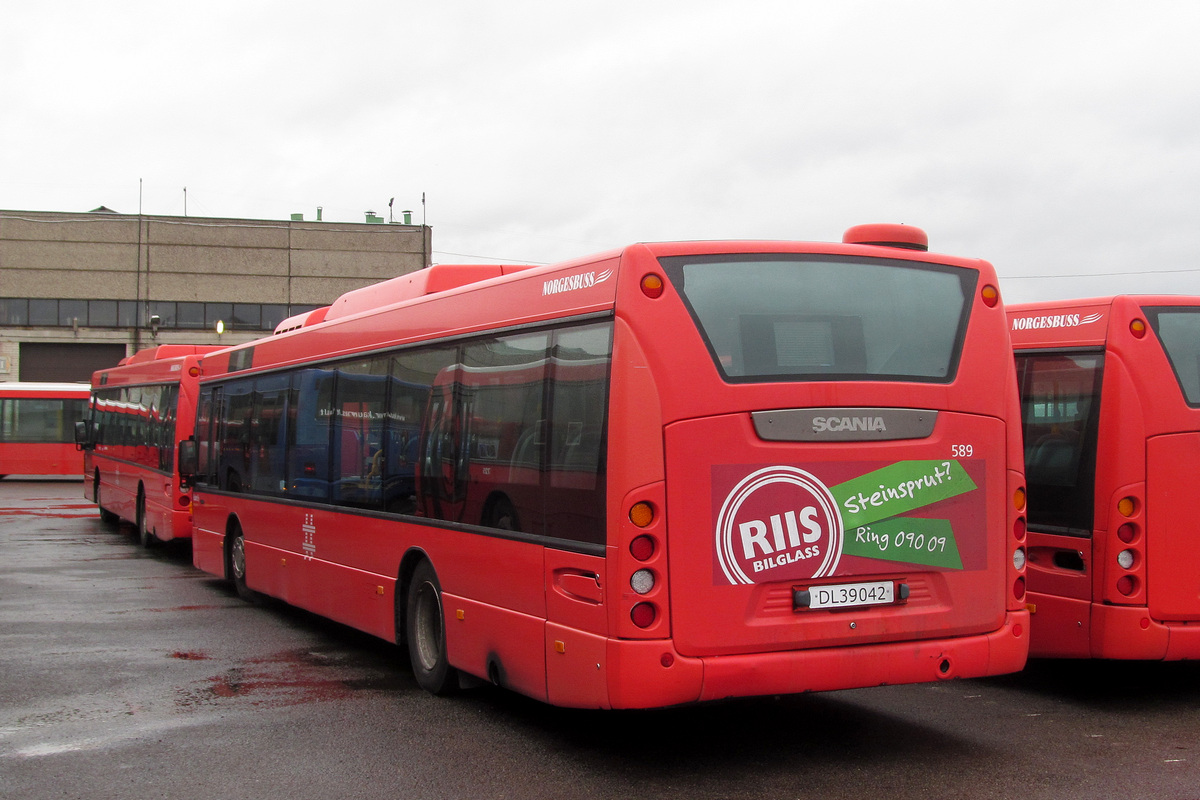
106, 516
237, 566
145, 537
426, 632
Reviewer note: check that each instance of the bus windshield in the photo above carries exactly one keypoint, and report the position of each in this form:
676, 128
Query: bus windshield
1179, 331
777, 317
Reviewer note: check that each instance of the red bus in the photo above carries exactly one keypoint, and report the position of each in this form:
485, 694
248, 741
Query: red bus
1110, 393
665, 474
37, 424
139, 410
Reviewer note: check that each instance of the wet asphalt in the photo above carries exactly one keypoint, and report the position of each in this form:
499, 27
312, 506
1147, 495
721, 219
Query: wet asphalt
125, 673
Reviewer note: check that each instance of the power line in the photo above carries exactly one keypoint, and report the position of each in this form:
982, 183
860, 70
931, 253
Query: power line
492, 258
1097, 274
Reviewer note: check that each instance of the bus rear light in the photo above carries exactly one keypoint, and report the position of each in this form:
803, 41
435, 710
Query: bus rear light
643, 615
1019, 559
1127, 506
1138, 328
1019, 499
194, 372
990, 295
652, 286
184, 501
1127, 585
1019, 529
666, 659
310, 470
642, 514
642, 581
1019, 588
642, 548
1127, 532
1126, 559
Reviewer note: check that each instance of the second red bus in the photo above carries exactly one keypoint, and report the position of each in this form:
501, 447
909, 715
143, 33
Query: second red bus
37, 428
139, 411
1110, 392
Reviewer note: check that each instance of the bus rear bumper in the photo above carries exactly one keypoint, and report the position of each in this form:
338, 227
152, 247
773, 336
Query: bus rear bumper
645, 674
1123, 632
1070, 628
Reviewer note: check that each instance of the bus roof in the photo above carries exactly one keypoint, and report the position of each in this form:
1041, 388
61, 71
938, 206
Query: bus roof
1079, 323
431, 280
36, 387
408, 308
164, 351
160, 364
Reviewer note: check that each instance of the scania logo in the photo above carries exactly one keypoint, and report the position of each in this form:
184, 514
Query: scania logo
839, 424
778, 523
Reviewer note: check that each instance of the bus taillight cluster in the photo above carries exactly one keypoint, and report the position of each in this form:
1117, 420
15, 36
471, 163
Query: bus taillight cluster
1018, 557
1129, 547
647, 568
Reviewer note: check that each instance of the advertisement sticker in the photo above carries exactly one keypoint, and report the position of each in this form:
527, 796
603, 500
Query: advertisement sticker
783, 522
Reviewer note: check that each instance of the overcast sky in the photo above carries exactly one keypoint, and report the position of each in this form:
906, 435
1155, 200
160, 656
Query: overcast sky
1058, 140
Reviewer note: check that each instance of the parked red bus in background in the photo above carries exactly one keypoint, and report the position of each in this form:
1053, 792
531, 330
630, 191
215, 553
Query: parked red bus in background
37, 425
139, 410
1110, 393
665, 474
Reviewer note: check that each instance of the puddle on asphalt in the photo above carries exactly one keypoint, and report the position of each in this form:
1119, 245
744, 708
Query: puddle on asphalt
290, 678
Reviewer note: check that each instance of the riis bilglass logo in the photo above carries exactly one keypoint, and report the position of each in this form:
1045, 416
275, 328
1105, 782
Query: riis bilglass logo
778, 516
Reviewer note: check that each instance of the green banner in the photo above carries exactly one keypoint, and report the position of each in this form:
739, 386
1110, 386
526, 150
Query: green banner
916, 541
897, 489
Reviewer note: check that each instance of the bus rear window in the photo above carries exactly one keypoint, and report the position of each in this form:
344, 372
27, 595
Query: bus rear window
1179, 331
784, 317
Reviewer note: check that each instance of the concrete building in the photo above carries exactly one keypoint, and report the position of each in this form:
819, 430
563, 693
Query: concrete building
80, 291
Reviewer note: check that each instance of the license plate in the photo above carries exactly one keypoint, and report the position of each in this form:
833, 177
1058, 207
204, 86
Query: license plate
846, 595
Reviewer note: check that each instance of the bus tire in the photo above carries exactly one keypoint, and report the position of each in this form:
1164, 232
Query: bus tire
145, 537
425, 627
237, 565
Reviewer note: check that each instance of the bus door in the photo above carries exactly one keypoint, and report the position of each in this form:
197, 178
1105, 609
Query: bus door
1060, 410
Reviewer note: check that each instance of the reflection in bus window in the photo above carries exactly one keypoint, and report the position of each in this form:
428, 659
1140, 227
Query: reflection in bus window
1060, 398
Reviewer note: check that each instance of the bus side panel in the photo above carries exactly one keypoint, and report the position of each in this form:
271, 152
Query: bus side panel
31, 458
1060, 565
576, 628
1126, 632
360, 599
345, 566
496, 644
1173, 522
118, 484
208, 548
576, 668
1059, 627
